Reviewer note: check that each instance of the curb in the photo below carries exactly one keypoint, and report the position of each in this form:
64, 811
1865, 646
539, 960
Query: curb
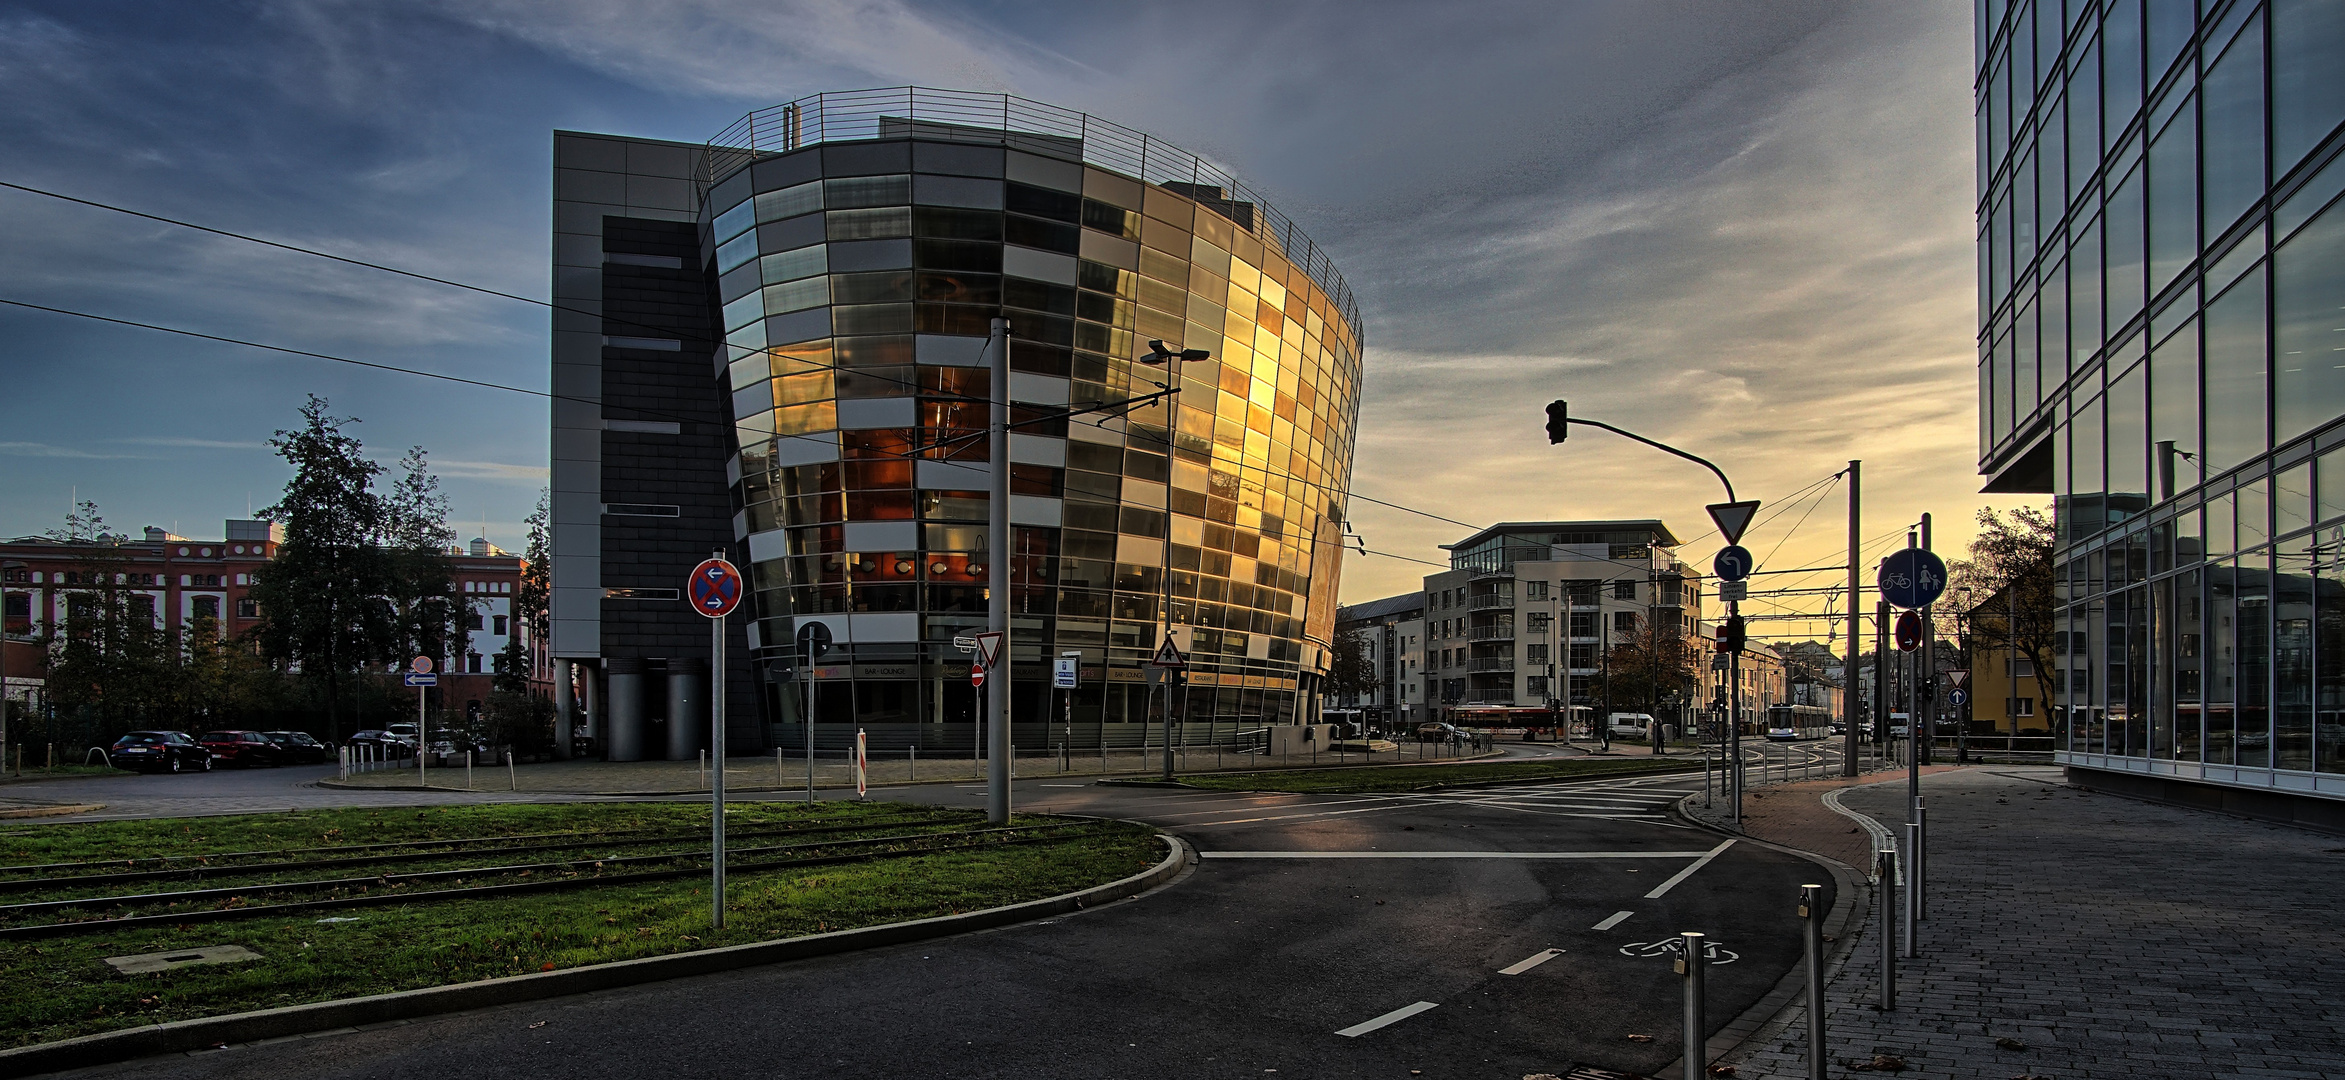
50, 811
294, 1020
1466, 785
1777, 1009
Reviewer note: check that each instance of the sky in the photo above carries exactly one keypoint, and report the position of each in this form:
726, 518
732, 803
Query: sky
1741, 228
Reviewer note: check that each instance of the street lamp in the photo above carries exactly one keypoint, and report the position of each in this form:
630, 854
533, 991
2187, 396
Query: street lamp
1159, 356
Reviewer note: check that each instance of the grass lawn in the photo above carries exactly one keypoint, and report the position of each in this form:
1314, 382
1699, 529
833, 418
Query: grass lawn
1421, 777
61, 986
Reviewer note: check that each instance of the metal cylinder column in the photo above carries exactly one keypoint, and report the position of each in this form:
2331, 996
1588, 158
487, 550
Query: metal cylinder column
688, 730
623, 724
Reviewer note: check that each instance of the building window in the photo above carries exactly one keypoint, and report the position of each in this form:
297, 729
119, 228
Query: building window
1534, 654
248, 609
1624, 622
472, 663
2019, 667
499, 626
1583, 624
1536, 684
207, 607
1624, 589
1583, 655
19, 611
1534, 590
472, 620
2025, 706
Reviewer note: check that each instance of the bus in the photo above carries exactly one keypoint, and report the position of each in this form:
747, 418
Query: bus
1790, 723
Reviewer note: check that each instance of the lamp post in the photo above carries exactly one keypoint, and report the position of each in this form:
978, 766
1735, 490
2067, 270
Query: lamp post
1159, 356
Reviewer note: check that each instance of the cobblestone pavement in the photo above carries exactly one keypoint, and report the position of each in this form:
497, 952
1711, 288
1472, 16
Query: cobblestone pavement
2105, 937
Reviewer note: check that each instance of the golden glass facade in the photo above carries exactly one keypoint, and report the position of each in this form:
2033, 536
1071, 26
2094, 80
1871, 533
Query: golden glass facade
857, 276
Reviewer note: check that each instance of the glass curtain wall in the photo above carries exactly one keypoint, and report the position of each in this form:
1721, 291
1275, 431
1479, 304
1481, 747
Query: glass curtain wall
2162, 278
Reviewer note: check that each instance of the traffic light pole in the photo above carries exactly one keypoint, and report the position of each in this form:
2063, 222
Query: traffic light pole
1848, 744
997, 554
1734, 716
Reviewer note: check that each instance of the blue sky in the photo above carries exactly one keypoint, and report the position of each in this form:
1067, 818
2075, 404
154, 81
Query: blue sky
1744, 228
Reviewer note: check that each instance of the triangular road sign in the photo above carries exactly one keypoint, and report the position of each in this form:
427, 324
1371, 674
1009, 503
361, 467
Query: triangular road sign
1733, 518
1956, 675
989, 648
1168, 655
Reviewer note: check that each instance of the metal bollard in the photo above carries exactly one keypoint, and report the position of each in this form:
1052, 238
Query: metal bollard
1913, 887
468, 770
1694, 965
512, 781
1886, 863
1811, 909
1921, 856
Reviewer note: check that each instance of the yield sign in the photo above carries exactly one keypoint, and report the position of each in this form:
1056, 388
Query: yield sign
1956, 675
1733, 518
1168, 655
989, 648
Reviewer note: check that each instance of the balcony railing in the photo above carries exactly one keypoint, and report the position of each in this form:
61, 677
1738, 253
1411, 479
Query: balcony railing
1489, 697
1491, 663
1504, 631
1487, 601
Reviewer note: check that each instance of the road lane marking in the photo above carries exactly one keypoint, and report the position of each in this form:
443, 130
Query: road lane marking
1393, 1017
1702, 856
1617, 918
1532, 961
1663, 889
1067, 785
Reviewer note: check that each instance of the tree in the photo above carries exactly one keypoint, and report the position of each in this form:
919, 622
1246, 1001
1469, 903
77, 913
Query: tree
111, 666
2009, 575
1351, 672
1653, 661
323, 596
431, 614
532, 600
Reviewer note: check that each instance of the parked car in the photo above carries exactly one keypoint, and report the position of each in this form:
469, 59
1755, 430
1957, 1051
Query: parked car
243, 749
383, 743
1631, 725
300, 747
159, 751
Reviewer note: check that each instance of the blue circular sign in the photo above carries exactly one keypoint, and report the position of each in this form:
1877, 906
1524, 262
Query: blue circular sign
715, 588
1912, 578
1732, 563
1957, 696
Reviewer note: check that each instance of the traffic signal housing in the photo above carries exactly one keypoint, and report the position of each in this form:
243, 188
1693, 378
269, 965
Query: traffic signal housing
1730, 635
1558, 421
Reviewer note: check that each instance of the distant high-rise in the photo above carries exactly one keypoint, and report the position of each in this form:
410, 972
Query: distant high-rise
784, 366
2162, 348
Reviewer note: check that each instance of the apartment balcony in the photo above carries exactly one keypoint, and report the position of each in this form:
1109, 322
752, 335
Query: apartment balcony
1489, 697
1503, 572
1503, 631
1490, 663
1490, 601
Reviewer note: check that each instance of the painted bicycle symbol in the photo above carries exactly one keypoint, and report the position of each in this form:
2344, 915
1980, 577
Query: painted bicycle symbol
1671, 947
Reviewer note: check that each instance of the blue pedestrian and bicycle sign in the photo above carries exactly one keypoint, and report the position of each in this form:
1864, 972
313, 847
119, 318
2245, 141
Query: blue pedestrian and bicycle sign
715, 588
1732, 563
1912, 578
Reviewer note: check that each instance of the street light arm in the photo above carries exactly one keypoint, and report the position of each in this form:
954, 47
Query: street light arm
1703, 462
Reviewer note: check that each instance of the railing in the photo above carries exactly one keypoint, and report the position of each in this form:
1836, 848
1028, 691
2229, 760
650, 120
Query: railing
1489, 697
1502, 632
1491, 663
1486, 601
1007, 120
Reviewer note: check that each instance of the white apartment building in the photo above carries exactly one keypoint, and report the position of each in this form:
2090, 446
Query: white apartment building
1393, 630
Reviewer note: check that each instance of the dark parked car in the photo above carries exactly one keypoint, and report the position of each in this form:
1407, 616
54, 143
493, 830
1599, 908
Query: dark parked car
243, 749
383, 744
159, 751
300, 747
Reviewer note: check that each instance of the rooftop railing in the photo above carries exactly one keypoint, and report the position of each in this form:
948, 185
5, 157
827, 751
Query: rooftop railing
1008, 120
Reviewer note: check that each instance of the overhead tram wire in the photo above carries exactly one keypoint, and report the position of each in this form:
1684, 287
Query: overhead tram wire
551, 305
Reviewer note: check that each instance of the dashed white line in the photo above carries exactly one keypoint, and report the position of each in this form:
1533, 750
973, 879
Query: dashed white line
1615, 919
1532, 961
1688, 872
1393, 1017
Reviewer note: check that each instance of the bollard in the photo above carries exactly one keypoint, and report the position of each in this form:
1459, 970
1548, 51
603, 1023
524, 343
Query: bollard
468, 770
1692, 963
1913, 886
1705, 779
779, 780
1886, 869
511, 781
912, 765
1811, 909
1921, 856
704, 768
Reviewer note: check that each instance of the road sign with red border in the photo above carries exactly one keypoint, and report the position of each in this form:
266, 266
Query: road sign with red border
1168, 655
989, 648
421, 665
976, 676
715, 588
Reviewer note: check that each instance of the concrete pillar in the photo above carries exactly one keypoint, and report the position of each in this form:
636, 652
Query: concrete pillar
565, 708
687, 708
591, 699
623, 724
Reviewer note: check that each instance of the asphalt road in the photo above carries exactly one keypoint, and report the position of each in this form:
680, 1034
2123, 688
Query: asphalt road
1306, 919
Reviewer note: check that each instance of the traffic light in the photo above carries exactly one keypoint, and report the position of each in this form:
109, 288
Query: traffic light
1558, 421
1730, 635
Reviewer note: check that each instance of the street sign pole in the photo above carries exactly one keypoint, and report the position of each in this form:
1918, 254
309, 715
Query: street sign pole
999, 548
715, 589
1734, 717
420, 676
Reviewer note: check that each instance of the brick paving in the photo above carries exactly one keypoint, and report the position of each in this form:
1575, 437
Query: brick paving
2112, 938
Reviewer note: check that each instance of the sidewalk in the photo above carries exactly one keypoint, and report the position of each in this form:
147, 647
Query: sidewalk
2077, 935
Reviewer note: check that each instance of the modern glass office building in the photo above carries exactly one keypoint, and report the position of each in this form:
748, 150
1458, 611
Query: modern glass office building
812, 291
2162, 348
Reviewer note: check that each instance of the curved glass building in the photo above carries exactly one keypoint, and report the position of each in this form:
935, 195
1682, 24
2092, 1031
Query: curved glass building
849, 252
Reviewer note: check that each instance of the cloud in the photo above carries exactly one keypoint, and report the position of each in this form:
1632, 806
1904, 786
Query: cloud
194, 444
44, 450
531, 475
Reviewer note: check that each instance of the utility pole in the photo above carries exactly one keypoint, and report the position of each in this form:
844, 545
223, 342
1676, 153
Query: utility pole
1926, 687
998, 550
1848, 745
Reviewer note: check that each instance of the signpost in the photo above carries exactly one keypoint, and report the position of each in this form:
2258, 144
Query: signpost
716, 590
814, 639
1732, 563
1911, 579
419, 676
1168, 659
862, 765
1068, 675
